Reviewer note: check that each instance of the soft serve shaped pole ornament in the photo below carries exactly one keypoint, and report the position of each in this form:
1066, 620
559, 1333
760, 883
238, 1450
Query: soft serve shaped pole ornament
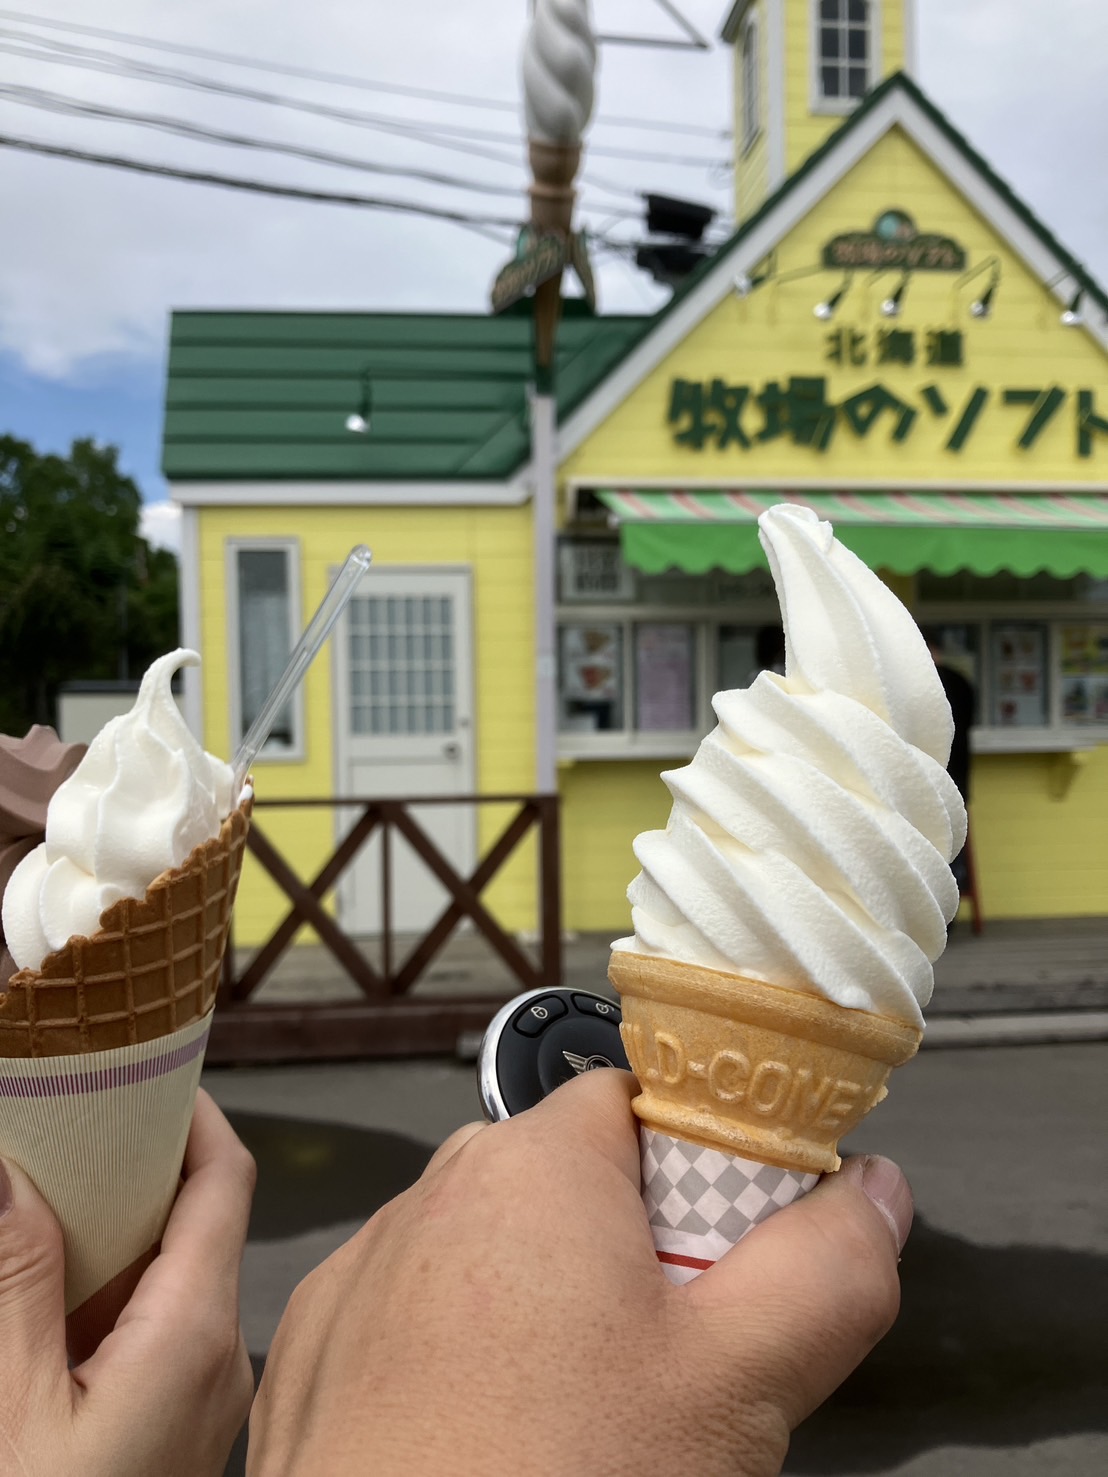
559, 70
787, 919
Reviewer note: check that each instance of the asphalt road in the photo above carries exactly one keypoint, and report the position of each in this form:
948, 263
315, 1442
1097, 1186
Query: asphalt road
997, 1364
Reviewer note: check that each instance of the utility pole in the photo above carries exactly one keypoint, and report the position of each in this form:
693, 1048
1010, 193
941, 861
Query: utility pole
559, 70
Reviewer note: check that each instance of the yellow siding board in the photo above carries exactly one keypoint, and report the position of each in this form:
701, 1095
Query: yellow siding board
496, 544
1041, 845
605, 807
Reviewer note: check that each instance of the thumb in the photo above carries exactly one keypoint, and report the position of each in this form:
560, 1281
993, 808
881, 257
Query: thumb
32, 1283
804, 1298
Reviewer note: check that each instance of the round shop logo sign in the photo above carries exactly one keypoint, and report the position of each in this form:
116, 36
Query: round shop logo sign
895, 225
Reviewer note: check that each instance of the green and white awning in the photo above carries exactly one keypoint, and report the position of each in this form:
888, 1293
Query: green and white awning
1062, 534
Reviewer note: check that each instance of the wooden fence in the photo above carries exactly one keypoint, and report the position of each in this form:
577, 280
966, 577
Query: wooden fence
388, 1021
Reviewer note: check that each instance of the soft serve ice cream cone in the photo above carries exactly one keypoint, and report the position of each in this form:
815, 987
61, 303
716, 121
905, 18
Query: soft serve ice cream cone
117, 922
787, 919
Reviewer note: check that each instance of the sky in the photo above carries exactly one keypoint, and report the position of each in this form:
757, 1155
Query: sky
93, 260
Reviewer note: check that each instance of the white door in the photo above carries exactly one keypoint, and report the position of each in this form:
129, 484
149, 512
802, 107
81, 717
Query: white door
404, 728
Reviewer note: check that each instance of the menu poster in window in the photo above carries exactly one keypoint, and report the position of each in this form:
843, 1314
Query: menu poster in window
1084, 669
664, 678
1019, 676
590, 663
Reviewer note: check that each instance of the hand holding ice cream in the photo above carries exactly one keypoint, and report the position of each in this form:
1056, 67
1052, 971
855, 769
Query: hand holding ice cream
787, 919
119, 922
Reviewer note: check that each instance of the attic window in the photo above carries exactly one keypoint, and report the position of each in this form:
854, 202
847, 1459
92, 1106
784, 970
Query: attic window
844, 50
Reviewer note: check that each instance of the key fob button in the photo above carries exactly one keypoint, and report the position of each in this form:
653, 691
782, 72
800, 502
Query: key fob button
591, 1005
534, 1018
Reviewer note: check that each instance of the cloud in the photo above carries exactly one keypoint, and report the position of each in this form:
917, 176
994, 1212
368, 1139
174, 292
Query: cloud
160, 525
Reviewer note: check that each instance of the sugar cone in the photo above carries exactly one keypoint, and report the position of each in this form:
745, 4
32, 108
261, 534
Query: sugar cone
750, 1069
101, 1051
151, 968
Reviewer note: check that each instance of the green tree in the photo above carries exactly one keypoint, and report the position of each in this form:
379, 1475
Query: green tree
82, 595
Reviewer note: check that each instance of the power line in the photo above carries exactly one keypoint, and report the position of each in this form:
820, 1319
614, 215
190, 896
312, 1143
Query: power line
341, 79
265, 187
79, 107
57, 103
118, 67
256, 187
427, 130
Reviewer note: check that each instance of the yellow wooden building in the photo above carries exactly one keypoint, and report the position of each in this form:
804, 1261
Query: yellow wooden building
890, 335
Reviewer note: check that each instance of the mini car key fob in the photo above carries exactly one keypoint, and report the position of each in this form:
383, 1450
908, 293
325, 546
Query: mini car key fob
540, 1040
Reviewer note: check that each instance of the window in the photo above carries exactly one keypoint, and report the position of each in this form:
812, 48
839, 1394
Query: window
1035, 649
1019, 674
640, 655
665, 677
1083, 671
401, 661
263, 627
752, 102
591, 677
844, 51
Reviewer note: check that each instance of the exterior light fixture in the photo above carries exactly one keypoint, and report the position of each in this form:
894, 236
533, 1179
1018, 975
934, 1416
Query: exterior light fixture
744, 283
1072, 316
825, 310
892, 305
360, 422
982, 307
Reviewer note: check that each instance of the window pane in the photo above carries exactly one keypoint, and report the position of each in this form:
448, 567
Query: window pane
959, 647
829, 81
1084, 673
1019, 688
264, 617
590, 678
830, 10
665, 678
857, 81
829, 43
857, 48
734, 657
407, 663
857, 10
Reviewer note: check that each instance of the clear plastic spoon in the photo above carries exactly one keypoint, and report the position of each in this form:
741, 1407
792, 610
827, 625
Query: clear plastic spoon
303, 654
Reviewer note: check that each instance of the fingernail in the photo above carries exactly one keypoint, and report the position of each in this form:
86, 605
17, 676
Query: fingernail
6, 1199
886, 1186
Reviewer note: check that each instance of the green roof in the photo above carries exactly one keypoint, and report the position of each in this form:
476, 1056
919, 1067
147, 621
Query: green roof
256, 396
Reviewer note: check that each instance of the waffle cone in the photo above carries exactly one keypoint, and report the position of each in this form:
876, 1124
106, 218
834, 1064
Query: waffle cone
749, 1068
151, 969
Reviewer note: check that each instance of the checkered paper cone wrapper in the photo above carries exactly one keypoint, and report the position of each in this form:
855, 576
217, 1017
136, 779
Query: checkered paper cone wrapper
746, 1089
100, 1057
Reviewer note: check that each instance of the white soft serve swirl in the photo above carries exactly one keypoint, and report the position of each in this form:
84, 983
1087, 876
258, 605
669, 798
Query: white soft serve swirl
810, 837
143, 797
559, 66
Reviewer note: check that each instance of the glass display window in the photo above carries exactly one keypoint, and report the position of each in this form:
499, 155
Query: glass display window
591, 678
665, 677
1083, 674
1020, 691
